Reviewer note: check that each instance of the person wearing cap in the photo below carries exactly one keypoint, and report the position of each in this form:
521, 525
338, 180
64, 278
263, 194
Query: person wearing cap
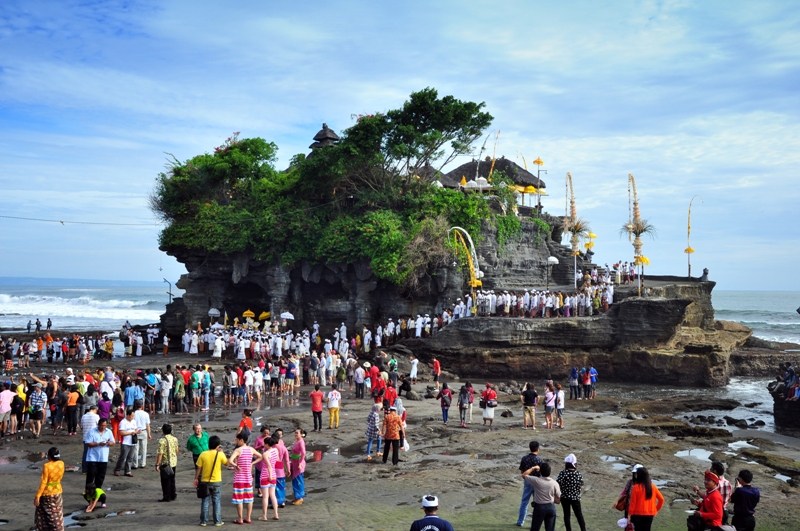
644, 499
48, 502
571, 482
709, 505
38, 404
431, 521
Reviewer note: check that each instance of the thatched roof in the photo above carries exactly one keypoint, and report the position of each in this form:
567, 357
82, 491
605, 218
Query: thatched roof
325, 137
510, 168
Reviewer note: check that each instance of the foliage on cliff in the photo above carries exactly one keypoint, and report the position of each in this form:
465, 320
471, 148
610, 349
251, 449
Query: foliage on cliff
367, 197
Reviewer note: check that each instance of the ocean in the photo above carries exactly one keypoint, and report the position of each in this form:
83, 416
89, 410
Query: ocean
80, 305
107, 304
771, 315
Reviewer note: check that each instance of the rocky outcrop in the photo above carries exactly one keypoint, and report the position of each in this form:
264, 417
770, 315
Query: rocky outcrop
334, 293
642, 339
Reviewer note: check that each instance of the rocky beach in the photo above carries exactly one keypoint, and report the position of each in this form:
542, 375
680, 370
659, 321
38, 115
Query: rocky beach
473, 470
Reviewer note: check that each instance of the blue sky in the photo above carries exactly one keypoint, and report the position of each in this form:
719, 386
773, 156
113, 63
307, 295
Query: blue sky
694, 98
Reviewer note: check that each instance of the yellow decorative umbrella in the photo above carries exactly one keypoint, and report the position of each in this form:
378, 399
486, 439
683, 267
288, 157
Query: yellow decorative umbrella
263, 315
530, 189
249, 313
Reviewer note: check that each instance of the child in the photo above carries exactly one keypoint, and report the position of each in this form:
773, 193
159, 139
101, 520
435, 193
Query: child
94, 496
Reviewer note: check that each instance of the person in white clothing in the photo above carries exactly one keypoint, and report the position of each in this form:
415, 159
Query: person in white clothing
142, 420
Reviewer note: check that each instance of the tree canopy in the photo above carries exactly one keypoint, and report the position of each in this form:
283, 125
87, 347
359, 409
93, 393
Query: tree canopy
367, 197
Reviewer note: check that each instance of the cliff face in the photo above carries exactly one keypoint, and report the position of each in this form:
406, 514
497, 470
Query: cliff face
334, 293
668, 336
654, 339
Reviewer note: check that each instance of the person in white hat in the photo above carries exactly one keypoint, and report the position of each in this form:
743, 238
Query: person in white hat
432, 521
571, 482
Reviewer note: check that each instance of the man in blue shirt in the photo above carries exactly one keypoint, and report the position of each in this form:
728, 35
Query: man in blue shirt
431, 522
98, 440
133, 393
745, 498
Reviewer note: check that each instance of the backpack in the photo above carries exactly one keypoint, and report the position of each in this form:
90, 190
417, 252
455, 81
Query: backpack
446, 399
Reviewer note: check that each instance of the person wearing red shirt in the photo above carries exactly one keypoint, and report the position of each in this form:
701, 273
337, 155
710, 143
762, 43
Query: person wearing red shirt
378, 390
374, 375
316, 397
437, 371
488, 412
389, 396
709, 506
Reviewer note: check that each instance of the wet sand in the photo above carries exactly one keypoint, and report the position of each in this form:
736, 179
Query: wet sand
473, 471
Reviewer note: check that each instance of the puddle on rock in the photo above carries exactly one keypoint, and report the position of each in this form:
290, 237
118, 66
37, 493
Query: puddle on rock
695, 453
328, 453
70, 522
782, 477
738, 445
120, 513
615, 461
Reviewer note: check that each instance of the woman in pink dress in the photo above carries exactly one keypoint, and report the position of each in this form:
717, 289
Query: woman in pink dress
242, 461
297, 458
269, 479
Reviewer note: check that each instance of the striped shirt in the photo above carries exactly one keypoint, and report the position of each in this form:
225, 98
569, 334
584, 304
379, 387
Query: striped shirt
38, 400
88, 422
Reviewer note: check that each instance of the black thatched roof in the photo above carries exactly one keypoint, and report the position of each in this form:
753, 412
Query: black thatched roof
510, 168
325, 137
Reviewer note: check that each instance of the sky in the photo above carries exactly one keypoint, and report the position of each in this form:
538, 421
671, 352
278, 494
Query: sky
695, 99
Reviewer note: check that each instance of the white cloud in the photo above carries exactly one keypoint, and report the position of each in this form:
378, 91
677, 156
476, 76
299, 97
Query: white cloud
693, 99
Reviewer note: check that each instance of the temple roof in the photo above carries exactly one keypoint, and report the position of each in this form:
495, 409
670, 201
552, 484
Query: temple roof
325, 137
514, 171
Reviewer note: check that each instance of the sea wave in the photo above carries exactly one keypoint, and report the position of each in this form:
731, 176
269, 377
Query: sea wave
11, 302
83, 308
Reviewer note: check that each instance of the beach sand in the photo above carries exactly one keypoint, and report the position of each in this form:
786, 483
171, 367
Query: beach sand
474, 471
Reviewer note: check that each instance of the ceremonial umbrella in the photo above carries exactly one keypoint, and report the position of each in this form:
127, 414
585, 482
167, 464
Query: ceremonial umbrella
249, 314
286, 315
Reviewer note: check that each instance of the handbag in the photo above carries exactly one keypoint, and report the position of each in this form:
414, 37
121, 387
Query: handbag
622, 501
482, 403
491, 403
202, 487
165, 468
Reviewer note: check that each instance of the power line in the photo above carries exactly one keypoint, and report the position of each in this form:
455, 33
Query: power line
68, 222
154, 223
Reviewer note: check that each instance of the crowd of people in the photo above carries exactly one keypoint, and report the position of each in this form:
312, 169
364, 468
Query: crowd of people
113, 409
640, 499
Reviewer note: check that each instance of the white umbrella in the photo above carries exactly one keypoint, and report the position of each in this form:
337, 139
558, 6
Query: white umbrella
217, 326
287, 315
213, 312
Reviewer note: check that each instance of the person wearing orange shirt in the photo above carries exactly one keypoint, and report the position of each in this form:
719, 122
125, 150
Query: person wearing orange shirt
72, 410
48, 502
392, 435
644, 500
